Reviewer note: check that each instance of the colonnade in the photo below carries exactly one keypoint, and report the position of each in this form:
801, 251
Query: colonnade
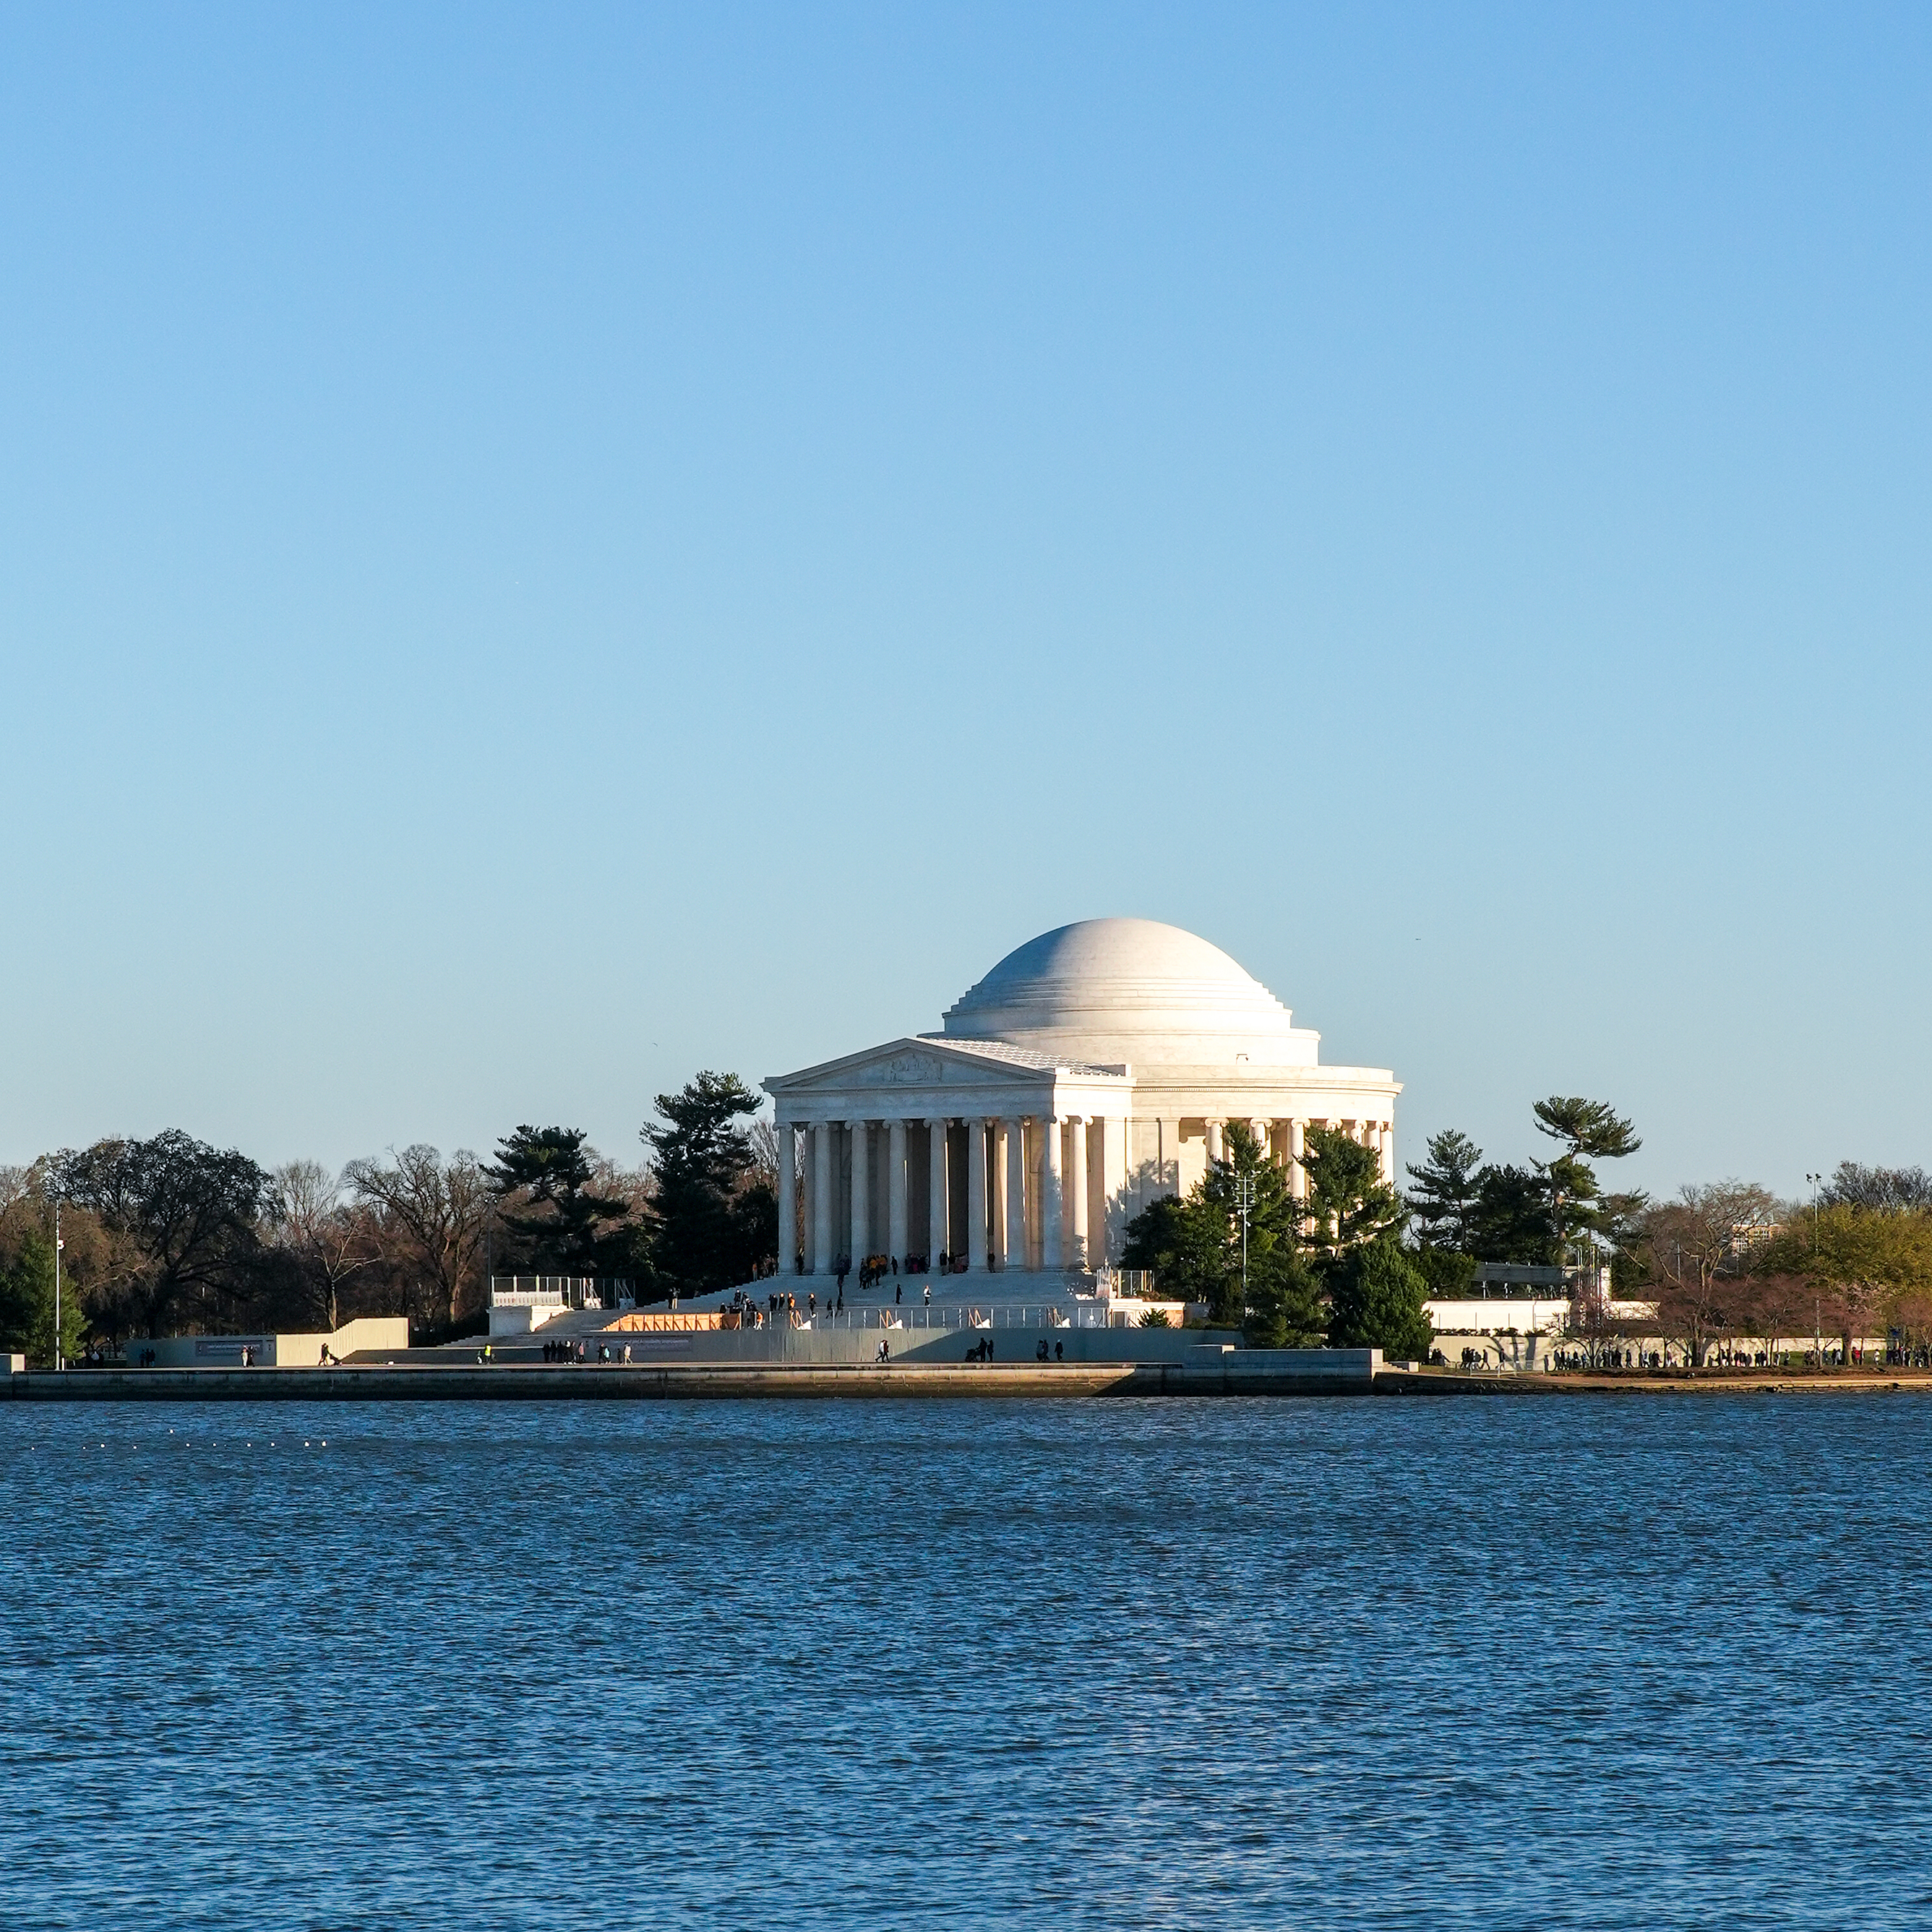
1286, 1141
1030, 1183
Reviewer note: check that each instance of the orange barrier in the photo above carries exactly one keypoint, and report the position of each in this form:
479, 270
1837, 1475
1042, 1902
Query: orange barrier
662, 1321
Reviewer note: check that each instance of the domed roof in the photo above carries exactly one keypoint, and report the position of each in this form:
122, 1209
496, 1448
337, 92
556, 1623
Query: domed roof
1105, 990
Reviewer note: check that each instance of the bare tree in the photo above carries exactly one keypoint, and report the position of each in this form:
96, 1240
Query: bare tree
1700, 1247
329, 1239
1856, 1263
763, 1138
1590, 1322
431, 1214
1881, 1190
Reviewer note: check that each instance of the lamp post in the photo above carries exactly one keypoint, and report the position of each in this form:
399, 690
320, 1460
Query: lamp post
1817, 1301
1244, 1201
59, 1364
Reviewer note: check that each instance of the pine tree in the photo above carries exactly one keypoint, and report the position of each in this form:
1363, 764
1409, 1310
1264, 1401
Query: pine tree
567, 1223
27, 1303
1285, 1302
1590, 1131
714, 1221
1348, 1202
1377, 1295
1445, 1188
1193, 1246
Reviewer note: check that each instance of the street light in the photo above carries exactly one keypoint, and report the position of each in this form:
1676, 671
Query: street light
59, 1244
1244, 1201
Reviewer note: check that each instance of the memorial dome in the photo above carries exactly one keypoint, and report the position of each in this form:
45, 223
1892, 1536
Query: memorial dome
1107, 991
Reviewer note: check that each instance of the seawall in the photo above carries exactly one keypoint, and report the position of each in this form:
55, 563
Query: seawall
1218, 1372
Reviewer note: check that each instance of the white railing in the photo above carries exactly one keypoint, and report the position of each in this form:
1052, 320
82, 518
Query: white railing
557, 1290
952, 1317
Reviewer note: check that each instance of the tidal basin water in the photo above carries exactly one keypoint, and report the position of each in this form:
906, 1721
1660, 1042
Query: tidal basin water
1605, 1662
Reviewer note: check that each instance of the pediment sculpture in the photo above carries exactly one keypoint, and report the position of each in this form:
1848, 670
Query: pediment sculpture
903, 1069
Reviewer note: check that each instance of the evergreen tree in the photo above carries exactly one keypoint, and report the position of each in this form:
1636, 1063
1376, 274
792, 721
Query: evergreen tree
1377, 1294
568, 1222
1449, 1272
715, 1221
1285, 1308
27, 1303
1193, 1246
1445, 1188
1509, 1220
1183, 1244
1348, 1202
1590, 1131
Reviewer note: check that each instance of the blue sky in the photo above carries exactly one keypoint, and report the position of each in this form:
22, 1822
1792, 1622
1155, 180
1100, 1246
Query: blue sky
543, 549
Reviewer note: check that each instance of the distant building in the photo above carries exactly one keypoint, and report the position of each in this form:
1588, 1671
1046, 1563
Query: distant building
1088, 1073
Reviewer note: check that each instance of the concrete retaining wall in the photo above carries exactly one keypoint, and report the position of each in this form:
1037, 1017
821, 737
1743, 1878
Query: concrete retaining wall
279, 1352
1213, 1372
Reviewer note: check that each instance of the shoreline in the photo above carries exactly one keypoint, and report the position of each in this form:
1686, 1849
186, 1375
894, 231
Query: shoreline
1637, 1381
1229, 1375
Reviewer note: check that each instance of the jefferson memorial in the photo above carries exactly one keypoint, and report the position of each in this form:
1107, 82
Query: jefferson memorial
1090, 1072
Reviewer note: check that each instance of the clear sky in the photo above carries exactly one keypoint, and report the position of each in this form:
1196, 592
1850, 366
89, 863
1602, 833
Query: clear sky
542, 549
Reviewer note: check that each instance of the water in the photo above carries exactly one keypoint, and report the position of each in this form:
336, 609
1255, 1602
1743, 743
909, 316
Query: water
1615, 1662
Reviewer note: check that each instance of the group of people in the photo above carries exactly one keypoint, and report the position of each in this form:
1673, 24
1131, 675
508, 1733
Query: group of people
575, 1352
876, 1268
1725, 1357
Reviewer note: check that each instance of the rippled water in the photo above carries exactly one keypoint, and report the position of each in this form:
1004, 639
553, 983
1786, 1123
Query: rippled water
1556, 1663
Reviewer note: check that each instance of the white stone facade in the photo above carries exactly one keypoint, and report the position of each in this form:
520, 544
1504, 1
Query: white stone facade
1090, 1072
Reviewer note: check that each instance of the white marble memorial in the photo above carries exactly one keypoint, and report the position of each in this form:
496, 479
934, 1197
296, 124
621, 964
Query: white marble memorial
1089, 1073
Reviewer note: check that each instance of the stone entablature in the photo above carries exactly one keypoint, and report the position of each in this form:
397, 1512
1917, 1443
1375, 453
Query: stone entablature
1009, 1154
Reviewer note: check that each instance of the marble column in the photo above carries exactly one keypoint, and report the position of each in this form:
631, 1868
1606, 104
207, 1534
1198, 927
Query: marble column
1015, 1253
1076, 1191
936, 1222
1119, 1189
861, 1192
787, 1200
1298, 1146
1052, 1235
821, 1197
895, 1190
1214, 1140
976, 1195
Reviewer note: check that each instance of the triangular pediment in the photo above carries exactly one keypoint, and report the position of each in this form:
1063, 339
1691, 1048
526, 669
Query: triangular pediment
912, 1063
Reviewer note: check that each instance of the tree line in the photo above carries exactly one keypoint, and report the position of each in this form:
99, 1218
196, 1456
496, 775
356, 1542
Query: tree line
170, 1233
1353, 1263
1720, 1262
1330, 1268
1729, 1263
